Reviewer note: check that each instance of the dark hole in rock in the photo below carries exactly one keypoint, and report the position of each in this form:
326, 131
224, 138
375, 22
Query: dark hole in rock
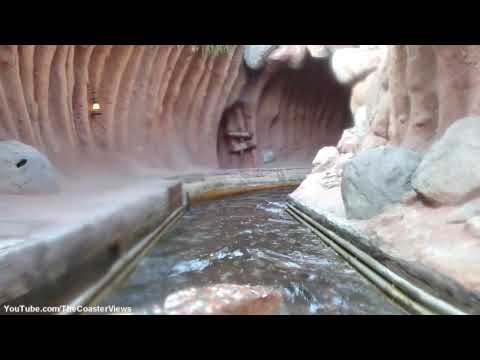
115, 250
21, 163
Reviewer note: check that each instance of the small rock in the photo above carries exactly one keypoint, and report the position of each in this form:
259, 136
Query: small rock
325, 159
351, 64
24, 170
291, 55
349, 142
465, 212
318, 51
225, 299
268, 156
255, 56
473, 226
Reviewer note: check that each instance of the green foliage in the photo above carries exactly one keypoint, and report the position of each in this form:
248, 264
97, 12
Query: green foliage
213, 50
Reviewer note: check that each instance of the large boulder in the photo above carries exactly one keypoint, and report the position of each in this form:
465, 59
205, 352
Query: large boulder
292, 55
24, 170
375, 178
319, 51
350, 65
255, 56
449, 173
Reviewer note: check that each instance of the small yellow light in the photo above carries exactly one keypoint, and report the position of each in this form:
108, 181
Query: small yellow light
96, 106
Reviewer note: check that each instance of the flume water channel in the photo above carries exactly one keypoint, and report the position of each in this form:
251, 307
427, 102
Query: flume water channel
250, 239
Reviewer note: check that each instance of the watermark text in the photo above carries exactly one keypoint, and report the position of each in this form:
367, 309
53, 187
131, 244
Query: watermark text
30, 309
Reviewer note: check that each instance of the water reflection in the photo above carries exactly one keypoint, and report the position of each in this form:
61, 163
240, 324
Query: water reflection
250, 239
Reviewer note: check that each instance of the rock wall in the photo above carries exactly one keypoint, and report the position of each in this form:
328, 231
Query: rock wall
148, 96
160, 106
419, 92
407, 175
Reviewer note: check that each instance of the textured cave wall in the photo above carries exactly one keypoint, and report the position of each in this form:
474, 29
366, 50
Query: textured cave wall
420, 92
292, 113
161, 106
301, 109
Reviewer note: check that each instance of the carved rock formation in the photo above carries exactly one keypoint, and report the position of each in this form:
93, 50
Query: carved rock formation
168, 107
419, 92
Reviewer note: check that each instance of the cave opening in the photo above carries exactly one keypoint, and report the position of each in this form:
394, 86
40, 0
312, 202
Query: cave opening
296, 112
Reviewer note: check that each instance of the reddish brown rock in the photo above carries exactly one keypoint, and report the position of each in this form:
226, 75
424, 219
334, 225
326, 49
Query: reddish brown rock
424, 89
224, 299
167, 106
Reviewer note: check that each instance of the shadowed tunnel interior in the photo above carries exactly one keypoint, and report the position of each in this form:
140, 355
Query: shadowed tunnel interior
297, 109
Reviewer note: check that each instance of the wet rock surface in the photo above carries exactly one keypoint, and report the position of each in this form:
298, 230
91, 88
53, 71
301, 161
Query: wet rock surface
24, 170
250, 240
375, 178
225, 299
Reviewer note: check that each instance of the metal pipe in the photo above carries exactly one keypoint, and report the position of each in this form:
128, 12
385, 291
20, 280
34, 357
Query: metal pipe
125, 265
422, 301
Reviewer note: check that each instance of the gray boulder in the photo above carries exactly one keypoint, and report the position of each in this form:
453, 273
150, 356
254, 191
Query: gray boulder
449, 173
375, 178
255, 56
25, 170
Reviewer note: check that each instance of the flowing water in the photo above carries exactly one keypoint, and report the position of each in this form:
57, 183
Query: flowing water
250, 239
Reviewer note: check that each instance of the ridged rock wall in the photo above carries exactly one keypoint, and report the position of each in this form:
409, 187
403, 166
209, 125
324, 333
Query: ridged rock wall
149, 96
162, 106
420, 92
